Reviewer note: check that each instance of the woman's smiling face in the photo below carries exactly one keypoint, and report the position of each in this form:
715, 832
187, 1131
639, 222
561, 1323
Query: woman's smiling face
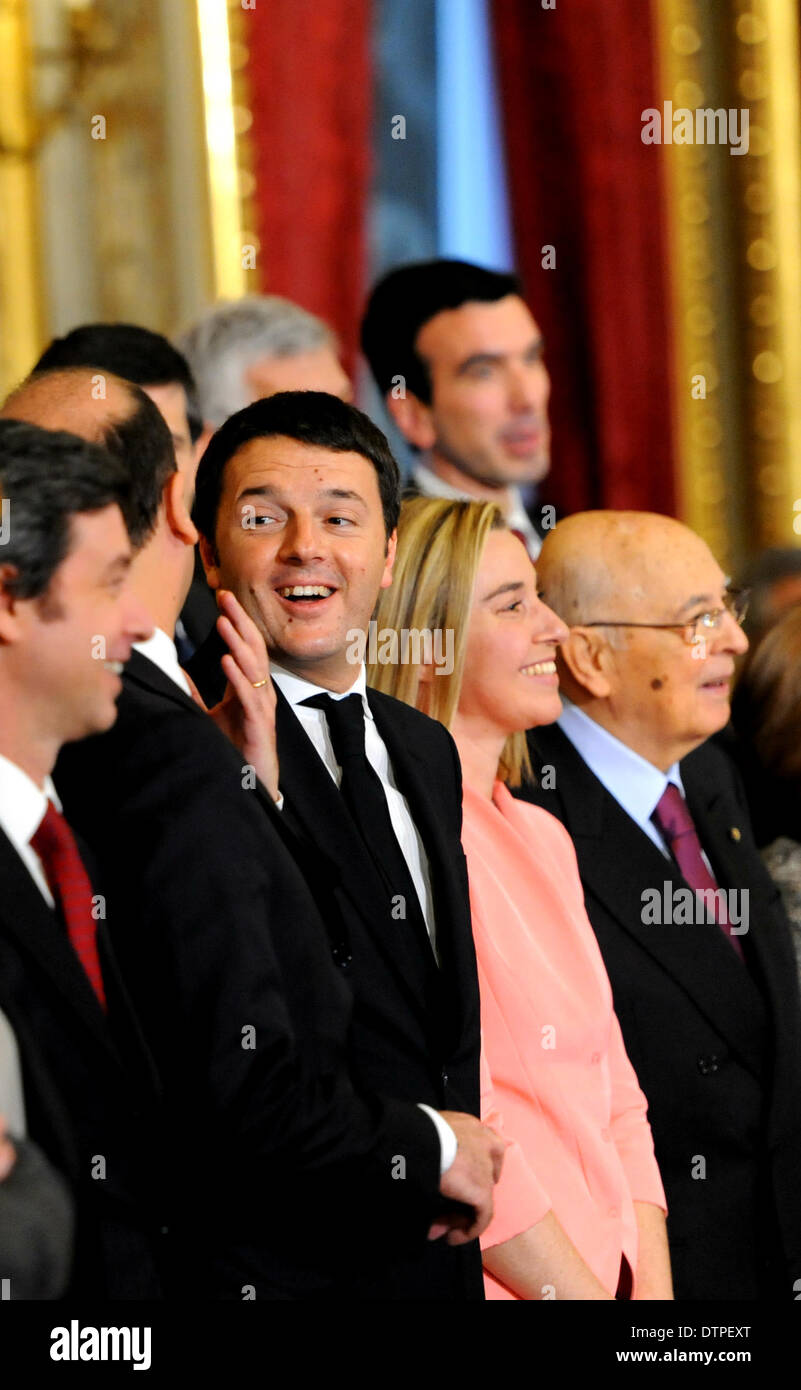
510, 681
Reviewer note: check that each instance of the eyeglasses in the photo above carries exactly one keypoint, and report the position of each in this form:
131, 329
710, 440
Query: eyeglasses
696, 629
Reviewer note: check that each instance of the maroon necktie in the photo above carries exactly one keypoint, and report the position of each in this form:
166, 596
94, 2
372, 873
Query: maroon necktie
673, 819
69, 883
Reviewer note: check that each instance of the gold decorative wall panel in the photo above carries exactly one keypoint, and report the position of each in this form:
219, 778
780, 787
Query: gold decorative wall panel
734, 233
768, 203
20, 272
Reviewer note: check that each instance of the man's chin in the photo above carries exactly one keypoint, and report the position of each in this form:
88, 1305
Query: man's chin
99, 721
507, 472
306, 657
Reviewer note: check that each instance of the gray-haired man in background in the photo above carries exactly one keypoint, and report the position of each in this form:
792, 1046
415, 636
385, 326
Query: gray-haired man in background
242, 350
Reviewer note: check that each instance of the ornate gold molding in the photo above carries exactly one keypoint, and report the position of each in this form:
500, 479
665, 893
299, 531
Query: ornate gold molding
227, 122
693, 237
766, 60
735, 270
20, 279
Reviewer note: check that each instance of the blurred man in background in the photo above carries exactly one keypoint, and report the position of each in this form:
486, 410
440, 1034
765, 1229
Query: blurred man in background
773, 579
242, 350
459, 360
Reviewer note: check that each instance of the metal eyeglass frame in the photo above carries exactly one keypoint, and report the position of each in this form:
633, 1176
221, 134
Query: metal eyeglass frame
735, 604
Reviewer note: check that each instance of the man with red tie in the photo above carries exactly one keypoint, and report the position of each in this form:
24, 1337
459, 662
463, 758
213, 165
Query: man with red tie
68, 622
691, 928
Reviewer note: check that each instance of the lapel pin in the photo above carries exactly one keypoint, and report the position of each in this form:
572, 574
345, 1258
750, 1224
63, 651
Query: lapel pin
735, 834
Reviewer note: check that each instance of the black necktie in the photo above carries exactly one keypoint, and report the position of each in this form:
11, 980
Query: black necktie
366, 800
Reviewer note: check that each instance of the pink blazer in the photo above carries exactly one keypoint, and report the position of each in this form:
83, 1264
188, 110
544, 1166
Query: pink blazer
560, 1077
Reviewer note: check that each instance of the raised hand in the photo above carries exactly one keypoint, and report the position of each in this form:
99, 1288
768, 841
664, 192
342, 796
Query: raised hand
246, 713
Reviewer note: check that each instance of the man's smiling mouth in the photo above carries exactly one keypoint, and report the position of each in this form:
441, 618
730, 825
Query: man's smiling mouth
297, 592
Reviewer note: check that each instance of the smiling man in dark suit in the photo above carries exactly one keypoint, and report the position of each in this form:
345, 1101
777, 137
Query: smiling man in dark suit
297, 504
68, 619
690, 926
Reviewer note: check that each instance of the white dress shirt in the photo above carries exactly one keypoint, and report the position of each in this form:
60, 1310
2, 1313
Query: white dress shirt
635, 783
22, 809
12, 1104
161, 650
429, 484
295, 689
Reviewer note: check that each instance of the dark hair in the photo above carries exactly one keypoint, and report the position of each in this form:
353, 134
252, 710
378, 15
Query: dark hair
765, 710
143, 443
311, 417
405, 299
46, 478
133, 353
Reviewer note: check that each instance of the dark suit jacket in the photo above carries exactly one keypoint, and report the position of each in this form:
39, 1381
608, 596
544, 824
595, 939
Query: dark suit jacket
416, 1029
282, 1176
533, 511
91, 1096
716, 1046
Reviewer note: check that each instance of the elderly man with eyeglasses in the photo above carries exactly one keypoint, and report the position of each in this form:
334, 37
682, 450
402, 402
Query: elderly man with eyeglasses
691, 928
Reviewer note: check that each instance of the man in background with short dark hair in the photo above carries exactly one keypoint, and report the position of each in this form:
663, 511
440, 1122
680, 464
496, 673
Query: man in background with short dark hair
458, 359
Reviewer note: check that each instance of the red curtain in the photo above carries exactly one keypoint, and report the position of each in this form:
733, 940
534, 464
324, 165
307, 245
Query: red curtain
309, 74
574, 81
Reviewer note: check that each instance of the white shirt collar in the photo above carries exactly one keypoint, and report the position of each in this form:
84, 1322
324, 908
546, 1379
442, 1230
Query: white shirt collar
22, 803
634, 782
429, 484
160, 649
296, 689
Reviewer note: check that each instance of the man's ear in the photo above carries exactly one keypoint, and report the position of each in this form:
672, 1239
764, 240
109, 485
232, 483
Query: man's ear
208, 556
176, 509
392, 545
586, 654
9, 624
413, 418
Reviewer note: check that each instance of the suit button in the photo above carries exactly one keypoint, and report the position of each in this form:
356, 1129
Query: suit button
605, 1135
613, 1212
444, 1078
595, 1058
709, 1065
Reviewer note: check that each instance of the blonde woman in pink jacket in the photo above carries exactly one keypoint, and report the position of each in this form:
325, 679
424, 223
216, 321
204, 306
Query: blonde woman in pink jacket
580, 1209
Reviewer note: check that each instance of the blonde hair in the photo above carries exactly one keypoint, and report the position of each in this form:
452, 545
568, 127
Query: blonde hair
440, 544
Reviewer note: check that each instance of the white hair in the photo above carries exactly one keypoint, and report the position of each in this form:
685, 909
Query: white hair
233, 334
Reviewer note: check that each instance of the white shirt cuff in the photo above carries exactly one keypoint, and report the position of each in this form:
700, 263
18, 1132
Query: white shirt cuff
447, 1139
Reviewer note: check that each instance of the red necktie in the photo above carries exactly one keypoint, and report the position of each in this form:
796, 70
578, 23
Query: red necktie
676, 824
69, 883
